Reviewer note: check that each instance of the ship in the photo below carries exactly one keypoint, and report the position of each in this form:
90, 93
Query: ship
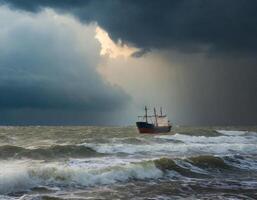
153, 123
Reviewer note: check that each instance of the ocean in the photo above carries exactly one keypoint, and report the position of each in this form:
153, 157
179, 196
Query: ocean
87, 162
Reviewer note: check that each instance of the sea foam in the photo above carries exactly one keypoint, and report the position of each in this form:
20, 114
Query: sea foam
20, 178
14, 176
232, 133
188, 145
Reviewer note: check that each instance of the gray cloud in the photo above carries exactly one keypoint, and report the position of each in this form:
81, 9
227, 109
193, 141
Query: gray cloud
46, 65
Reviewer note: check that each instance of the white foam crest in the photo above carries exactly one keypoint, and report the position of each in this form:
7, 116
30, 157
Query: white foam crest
246, 163
175, 149
192, 168
14, 177
231, 133
102, 162
119, 173
25, 178
203, 139
4, 197
154, 148
88, 177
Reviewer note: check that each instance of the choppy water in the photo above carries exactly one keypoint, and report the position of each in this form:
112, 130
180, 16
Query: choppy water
52, 163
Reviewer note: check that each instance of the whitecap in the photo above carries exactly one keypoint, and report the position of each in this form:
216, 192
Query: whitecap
4, 197
194, 145
24, 177
231, 133
14, 177
209, 140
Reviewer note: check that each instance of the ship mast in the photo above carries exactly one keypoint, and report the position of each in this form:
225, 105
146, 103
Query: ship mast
146, 115
155, 115
161, 111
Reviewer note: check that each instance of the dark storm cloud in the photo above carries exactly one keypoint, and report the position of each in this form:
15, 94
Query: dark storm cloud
47, 68
217, 88
185, 25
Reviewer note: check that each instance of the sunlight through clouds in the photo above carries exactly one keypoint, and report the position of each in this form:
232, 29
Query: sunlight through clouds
110, 48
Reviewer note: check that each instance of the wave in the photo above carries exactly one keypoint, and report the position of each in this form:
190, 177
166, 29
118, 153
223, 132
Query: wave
51, 152
214, 131
207, 161
231, 133
246, 162
197, 166
189, 145
228, 139
181, 167
197, 131
130, 140
4, 197
17, 176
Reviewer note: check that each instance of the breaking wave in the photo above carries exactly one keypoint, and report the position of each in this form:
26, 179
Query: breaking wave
16, 179
38, 162
206, 161
19, 177
51, 152
231, 133
187, 145
194, 166
228, 139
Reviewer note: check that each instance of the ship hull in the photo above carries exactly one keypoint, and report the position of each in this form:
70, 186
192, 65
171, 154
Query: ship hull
144, 127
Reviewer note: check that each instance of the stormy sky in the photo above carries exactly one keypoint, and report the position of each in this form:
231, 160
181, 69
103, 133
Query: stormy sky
99, 62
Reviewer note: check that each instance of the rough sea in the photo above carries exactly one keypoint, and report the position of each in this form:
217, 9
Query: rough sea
55, 163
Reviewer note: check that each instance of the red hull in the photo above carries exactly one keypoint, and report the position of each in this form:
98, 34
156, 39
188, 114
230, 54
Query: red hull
155, 130
146, 130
